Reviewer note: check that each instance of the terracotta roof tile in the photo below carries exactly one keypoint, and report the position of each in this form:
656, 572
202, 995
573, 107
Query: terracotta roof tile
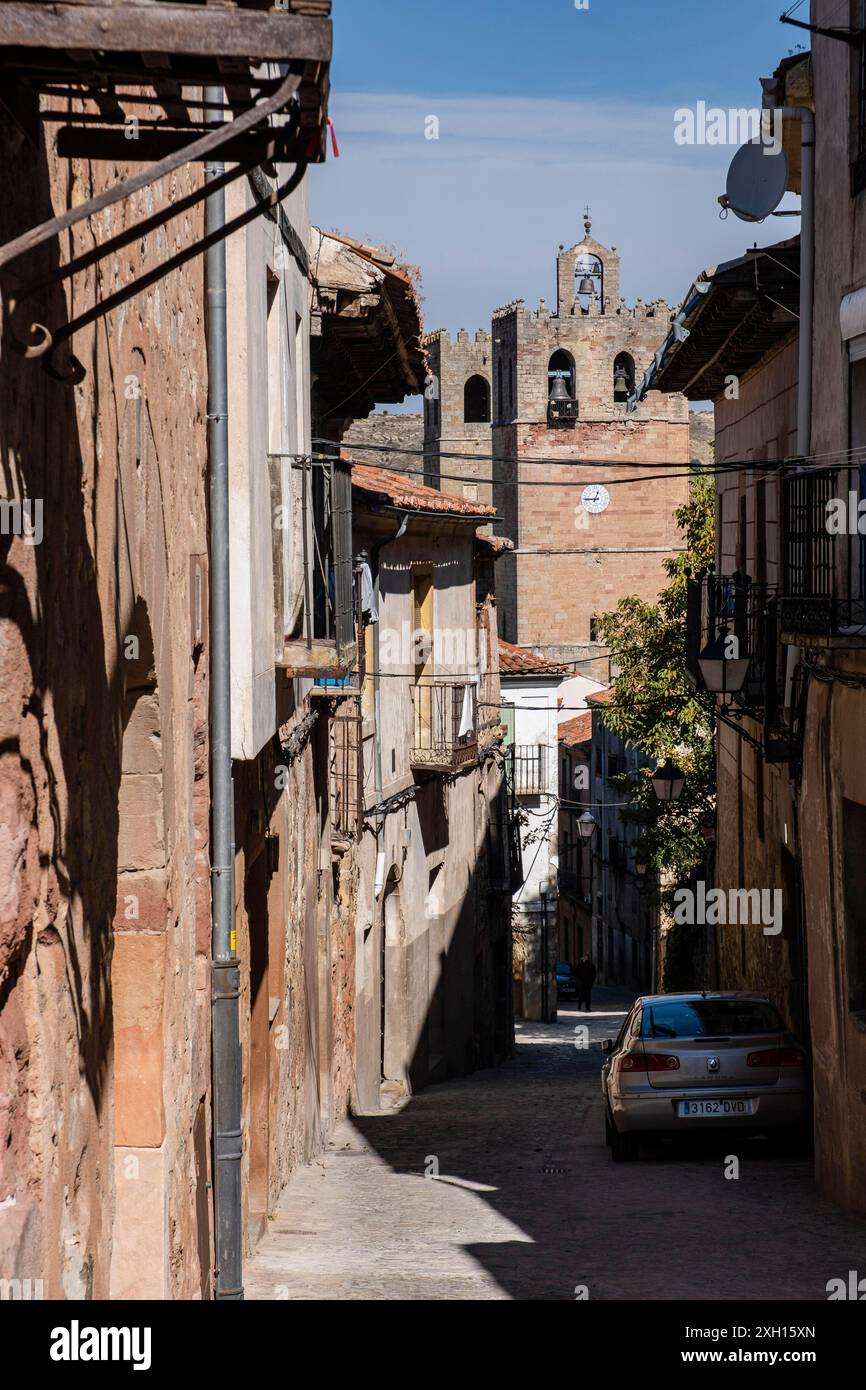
403, 491
494, 545
577, 730
517, 660
601, 697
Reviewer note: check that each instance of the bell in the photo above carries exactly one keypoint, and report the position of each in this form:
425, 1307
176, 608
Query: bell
621, 386
586, 287
558, 388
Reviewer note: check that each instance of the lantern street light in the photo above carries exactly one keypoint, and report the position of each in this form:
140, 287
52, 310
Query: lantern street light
723, 672
668, 781
586, 826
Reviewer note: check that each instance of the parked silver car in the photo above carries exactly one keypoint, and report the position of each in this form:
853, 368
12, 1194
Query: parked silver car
684, 1062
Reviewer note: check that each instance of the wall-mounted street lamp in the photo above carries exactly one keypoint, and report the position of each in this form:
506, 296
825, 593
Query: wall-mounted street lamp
586, 826
723, 674
668, 781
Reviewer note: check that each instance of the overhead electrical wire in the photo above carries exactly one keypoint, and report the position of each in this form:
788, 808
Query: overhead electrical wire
779, 467
539, 460
550, 460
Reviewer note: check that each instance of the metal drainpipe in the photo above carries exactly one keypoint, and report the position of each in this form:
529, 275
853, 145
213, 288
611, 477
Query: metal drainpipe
807, 264
804, 442
225, 968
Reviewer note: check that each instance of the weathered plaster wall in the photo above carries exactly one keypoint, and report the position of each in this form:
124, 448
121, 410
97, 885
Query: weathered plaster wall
438, 927
103, 1000
835, 730
755, 844
295, 922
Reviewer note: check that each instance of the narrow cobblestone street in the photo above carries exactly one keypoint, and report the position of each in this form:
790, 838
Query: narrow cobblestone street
527, 1204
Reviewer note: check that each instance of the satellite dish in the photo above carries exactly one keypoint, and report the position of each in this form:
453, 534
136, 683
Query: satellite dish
757, 180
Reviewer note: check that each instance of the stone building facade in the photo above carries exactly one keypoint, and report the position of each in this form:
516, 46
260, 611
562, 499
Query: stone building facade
106, 1088
581, 540
457, 413
433, 938
104, 929
529, 686
756, 424
792, 796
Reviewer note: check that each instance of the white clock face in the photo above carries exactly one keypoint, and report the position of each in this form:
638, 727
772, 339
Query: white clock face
595, 498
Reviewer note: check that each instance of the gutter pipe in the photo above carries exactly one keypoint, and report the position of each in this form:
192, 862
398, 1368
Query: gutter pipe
225, 967
807, 268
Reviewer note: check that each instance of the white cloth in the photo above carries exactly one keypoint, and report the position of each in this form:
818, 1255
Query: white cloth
467, 715
368, 595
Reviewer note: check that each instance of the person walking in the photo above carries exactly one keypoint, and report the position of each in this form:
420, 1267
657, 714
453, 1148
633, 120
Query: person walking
586, 973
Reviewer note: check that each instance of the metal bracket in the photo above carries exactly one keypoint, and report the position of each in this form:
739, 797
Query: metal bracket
35, 339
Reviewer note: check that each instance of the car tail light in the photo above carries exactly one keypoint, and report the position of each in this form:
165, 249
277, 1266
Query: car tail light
649, 1061
777, 1057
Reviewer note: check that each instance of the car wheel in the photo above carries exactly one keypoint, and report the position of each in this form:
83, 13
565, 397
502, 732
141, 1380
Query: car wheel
608, 1131
623, 1147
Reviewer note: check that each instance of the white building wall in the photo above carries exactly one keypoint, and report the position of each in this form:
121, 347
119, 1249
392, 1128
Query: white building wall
535, 723
268, 381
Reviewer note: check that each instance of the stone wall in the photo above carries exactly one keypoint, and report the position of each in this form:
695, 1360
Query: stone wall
295, 921
446, 429
398, 432
104, 991
702, 435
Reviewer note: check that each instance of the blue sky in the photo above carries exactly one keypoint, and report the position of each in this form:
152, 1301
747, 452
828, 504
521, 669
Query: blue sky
541, 108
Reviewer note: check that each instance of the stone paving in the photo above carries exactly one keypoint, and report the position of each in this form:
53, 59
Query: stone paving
522, 1200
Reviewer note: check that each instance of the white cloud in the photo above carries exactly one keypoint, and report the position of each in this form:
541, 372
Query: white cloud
483, 208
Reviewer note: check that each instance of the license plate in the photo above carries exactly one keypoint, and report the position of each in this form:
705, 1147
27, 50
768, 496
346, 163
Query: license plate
716, 1107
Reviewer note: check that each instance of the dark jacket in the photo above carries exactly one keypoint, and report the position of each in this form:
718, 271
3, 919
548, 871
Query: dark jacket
585, 972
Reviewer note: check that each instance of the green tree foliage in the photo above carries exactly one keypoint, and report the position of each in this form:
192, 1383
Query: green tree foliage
654, 706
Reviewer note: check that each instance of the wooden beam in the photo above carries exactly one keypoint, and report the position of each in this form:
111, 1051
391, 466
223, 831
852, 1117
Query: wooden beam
88, 142
268, 35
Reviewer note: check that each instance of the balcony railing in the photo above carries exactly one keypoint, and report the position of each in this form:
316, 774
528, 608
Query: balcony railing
823, 589
732, 606
445, 725
721, 605
530, 769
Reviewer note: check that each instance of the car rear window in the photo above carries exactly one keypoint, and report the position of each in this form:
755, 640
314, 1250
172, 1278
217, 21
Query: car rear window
698, 1018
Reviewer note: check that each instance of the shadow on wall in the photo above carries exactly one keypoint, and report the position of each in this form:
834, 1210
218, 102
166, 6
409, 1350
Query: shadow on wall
460, 964
60, 775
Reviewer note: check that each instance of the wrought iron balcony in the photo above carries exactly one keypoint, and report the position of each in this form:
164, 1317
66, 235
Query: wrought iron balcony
530, 764
445, 725
723, 606
823, 589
